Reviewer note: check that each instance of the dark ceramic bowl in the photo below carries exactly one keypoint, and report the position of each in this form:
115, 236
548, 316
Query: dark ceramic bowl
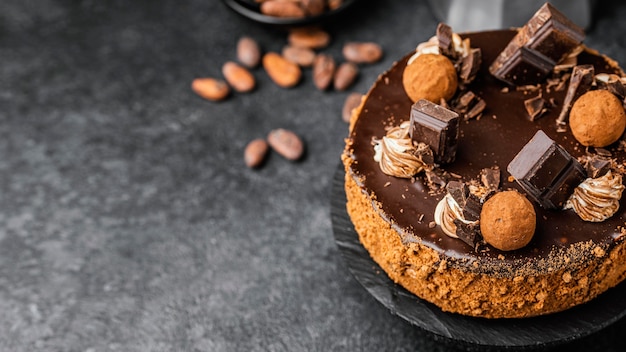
251, 10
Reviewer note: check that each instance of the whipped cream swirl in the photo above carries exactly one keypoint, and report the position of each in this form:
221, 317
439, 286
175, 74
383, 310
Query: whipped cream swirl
462, 47
597, 199
446, 212
396, 154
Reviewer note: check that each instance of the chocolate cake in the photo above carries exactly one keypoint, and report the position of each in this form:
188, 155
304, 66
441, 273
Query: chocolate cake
505, 129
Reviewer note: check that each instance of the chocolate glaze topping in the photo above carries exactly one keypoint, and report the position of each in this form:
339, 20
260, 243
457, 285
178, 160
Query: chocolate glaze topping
493, 140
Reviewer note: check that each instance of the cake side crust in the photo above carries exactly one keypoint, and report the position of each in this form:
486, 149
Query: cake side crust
427, 274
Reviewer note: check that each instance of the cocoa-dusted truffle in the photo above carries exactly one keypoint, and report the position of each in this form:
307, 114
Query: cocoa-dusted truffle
508, 220
597, 118
431, 77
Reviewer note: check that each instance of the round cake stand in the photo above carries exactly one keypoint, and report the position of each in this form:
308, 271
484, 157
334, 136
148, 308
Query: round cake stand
542, 331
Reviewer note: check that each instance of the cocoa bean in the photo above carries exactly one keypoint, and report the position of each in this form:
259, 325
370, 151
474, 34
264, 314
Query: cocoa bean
312, 38
248, 52
210, 88
323, 71
334, 4
283, 72
345, 75
299, 55
313, 7
238, 77
286, 143
352, 101
284, 9
362, 52
255, 153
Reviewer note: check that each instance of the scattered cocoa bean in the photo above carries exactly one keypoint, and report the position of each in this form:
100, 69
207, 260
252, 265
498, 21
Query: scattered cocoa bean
334, 4
284, 9
255, 153
362, 52
248, 52
323, 71
299, 55
210, 88
286, 143
345, 75
353, 100
283, 72
310, 8
313, 7
238, 77
312, 38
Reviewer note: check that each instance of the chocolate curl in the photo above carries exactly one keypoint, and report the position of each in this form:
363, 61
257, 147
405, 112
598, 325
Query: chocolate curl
579, 83
535, 107
470, 65
444, 37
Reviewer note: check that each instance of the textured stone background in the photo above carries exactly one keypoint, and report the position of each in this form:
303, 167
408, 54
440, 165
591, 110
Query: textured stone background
128, 221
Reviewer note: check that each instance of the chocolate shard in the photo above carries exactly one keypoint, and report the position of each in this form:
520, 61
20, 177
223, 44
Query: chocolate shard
535, 107
470, 65
472, 208
437, 127
490, 177
458, 191
468, 232
463, 103
579, 83
612, 83
597, 166
546, 171
477, 109
444, 38
545, 40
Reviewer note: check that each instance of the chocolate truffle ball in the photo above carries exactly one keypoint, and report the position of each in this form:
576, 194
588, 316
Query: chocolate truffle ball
597, 118
431, 77
508, 220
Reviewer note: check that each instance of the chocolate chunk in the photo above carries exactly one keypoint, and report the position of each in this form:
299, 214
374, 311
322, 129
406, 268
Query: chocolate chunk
470, 65
523, 67
546, 39
437, 127
597, 166
579, 83
444, 37
490, 177
468, 233
546, 171
535, 107
612, 83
